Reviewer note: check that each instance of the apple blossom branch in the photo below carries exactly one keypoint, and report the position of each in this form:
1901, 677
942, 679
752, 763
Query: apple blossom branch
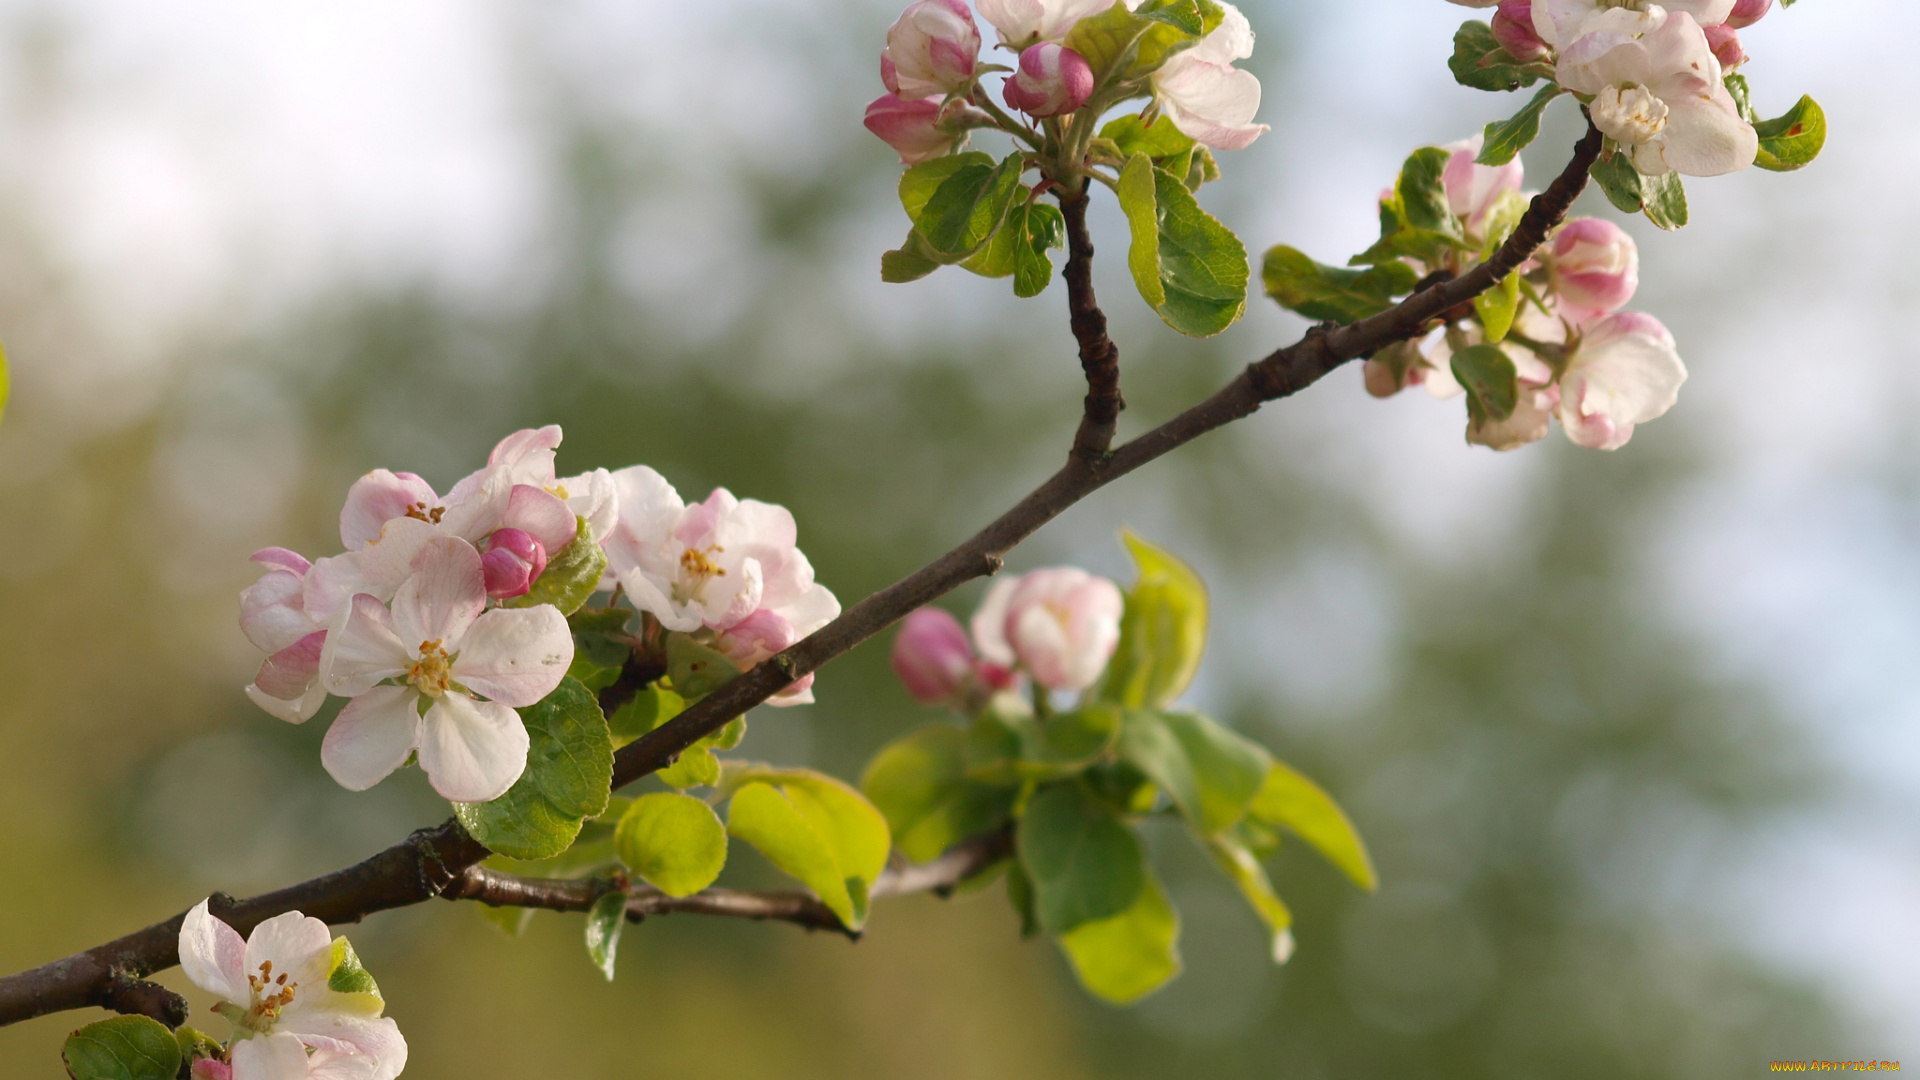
941, 876
1099, 357
431, 861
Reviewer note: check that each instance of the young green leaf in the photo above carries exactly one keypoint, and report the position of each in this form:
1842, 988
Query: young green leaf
1159, 141
969, 207
1163, 631
1189, 268
1505, 138
695, 767
1497, 306
1479, 61
1020, 895
122, 1048
1291, 800
1666, 200
644, 711
696, 670
605, 920
903, 264
920, 784
1120, 44
1331, 293
1209, 772
1084, 862
1788, 142
919, 182
1620, 181
1240, 864
768, 820
674, 841
1492, 384
572, 574
1422, 195
1005, 746
1126, 956
1044, 228
521, 824
345, 975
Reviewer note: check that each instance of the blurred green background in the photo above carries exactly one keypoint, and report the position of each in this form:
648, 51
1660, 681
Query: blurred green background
1601, 717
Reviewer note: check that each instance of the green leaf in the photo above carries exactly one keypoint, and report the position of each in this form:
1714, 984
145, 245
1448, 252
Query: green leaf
919, 182
1084, 862
1287, 798
1480, 62
572, 574
1119, 44
768, 820
1020, 895
1044, 228
195, 1044
696, 670
695, 767
1159, 141
674, 841
1188, 267
1422, 194
1619, 180
605, 920
1201, 169
1497, 306
569, 773
1127, 956
1330, 293
1163, 631
969, 206
1005, 746
920, 784
902, 265
1209, 772
996, 258
570, 753
1666, 200
1787, 143
122, 1048
644, 711
345, 975
1492, 385
1240, 864
1505, 138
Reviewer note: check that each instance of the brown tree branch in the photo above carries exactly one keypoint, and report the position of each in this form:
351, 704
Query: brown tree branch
431, 860
942, 875
1099, 356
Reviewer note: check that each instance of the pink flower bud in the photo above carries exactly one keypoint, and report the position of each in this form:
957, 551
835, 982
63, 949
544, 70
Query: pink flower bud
1513, 29
1747, 12
1052, 80
931, 50
1596, 268
513, 561
910, 127
1060, 624
1473, 190
932, 657
1725, 44
209, 1069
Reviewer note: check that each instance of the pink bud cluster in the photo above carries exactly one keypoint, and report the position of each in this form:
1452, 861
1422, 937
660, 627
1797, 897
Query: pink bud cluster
1579, 357
423, 622
1058, 625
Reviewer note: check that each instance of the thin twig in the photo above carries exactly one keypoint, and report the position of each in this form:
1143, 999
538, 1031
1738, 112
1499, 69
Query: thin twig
428, 862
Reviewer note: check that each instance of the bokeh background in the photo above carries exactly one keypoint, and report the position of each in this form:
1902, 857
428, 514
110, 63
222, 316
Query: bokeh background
1632, 735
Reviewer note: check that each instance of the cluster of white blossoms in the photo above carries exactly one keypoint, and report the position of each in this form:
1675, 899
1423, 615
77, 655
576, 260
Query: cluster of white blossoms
1578, 357
1651, 75
433, 621
932, 68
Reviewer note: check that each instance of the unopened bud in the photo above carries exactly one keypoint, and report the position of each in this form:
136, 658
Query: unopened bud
513, 561
1052, 80
1596, 268
1747, 12
910, 127
931, 50
932, 657
1060, 624
1725, 43
1513, 29
210, 1069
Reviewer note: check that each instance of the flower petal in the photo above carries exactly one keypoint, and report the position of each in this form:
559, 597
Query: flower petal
440, 599
377, 498
541, 514
273, 613
528, 454
472, 751
363, 651
291, 672
279, 558
213, 955
298, 947
516, 656
270, 1057
375, 1041
372, 736
1212, 104
296, 710
990, 624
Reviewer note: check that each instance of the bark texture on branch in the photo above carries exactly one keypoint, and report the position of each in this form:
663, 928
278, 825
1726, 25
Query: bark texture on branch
428, 863
1099, 356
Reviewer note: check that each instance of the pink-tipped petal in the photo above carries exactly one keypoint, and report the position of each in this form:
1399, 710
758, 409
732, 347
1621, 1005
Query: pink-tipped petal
445, 594
291, 672
540, 514
213, 955
377, 498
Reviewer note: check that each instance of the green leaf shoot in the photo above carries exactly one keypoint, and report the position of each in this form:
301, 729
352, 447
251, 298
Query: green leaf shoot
676, 842
1289, 799
122, 1048
1084, 862
605, 920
